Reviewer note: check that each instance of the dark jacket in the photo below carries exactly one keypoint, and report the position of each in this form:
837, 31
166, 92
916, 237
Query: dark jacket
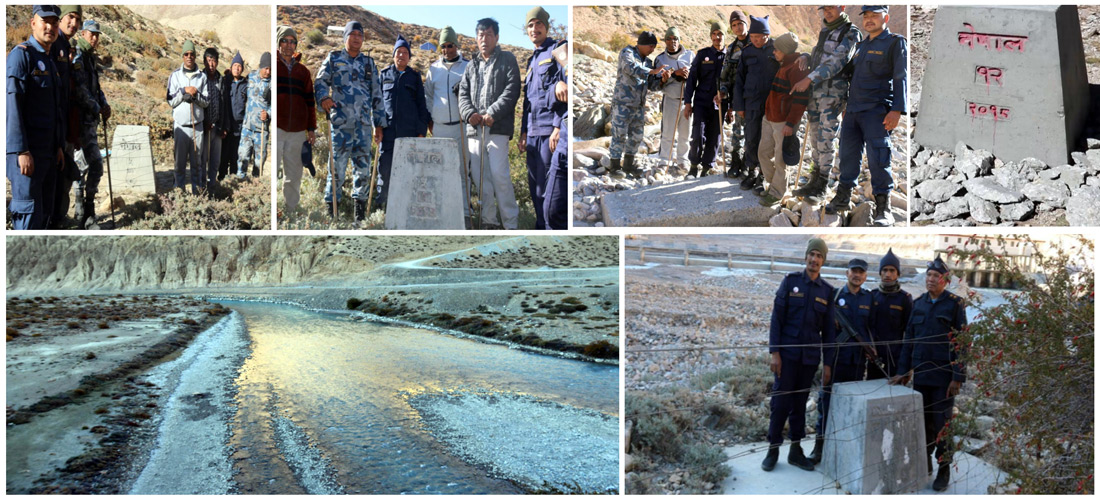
929, 348
501, 86
891, 314
540, 106
802, 315
754, 77
403, 97
234, 99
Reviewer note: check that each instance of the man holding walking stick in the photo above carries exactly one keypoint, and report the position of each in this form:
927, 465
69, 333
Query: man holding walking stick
675, 130
188, 98
487, 98
347, 88
92, 104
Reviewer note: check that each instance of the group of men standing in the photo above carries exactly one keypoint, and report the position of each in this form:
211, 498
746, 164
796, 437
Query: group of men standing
856, 334
848, 86
220, 121
56, 106
472, 101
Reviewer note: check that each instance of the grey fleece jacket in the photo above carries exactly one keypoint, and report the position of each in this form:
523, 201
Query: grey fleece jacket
491, 87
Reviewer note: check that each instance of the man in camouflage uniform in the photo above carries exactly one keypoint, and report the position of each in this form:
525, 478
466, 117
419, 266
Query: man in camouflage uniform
257, 119
347, 88
739, 27
636, 76
92, 103
836, 44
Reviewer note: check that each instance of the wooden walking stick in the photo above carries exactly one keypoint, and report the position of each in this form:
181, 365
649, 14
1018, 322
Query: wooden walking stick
465, 169
481, 182
373, 176
110, 187
194, 146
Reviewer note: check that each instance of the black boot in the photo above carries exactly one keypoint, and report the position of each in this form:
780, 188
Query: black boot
694, 172
808, 186
882, 216
737, 166
815, 193
360, 211
749, 181
819, 446
616, 168
840, 201
943, 477
628, 166
89, 220
771, 458
797, 459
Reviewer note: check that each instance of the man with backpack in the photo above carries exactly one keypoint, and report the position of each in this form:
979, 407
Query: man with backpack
830, 76
876, 101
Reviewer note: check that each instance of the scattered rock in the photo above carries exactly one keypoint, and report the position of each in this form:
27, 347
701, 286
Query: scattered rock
989, 190
937, 190
1084, 209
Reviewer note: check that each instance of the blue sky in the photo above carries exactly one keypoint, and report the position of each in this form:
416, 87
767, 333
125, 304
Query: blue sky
464, 17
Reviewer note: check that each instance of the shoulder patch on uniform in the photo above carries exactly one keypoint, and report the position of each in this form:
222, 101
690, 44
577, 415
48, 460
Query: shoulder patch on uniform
545, 61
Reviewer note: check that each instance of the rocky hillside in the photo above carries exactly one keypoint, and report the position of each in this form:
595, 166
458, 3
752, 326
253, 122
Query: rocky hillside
615, 27
59, 264
311, 23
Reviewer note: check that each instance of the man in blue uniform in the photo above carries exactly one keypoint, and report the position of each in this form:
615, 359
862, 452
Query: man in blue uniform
848, 361
34, 123
890, 308
699, 92
540, 107
347, 87
406, 111
556, 203
755, 73
876, 100
62, 53
932, 359
802, 321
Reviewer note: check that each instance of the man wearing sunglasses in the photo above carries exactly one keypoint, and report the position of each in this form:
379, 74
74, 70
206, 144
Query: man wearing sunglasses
188, 98
441, 96
297, 115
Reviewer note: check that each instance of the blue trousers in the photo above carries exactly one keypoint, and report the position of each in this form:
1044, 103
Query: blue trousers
789, 394
753, 121
556, 200
841, 373
538, 165
32, 197
865, 129
705, 130
937, 411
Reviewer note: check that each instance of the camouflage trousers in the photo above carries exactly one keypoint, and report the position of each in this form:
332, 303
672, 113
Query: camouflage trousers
354, 145
823, 115
89, 164
627, 126
250, 151
737, 135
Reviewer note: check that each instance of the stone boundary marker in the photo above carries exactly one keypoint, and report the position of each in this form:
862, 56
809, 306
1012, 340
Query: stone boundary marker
425, 190
131, 159
1006, 79
874, 442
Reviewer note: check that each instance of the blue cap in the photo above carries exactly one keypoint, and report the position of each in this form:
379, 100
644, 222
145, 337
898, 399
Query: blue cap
47, 11
237, 59
352, 26
857, 264
938, 265
885, 9
889, 260
91, 25
759, 25
401, 42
